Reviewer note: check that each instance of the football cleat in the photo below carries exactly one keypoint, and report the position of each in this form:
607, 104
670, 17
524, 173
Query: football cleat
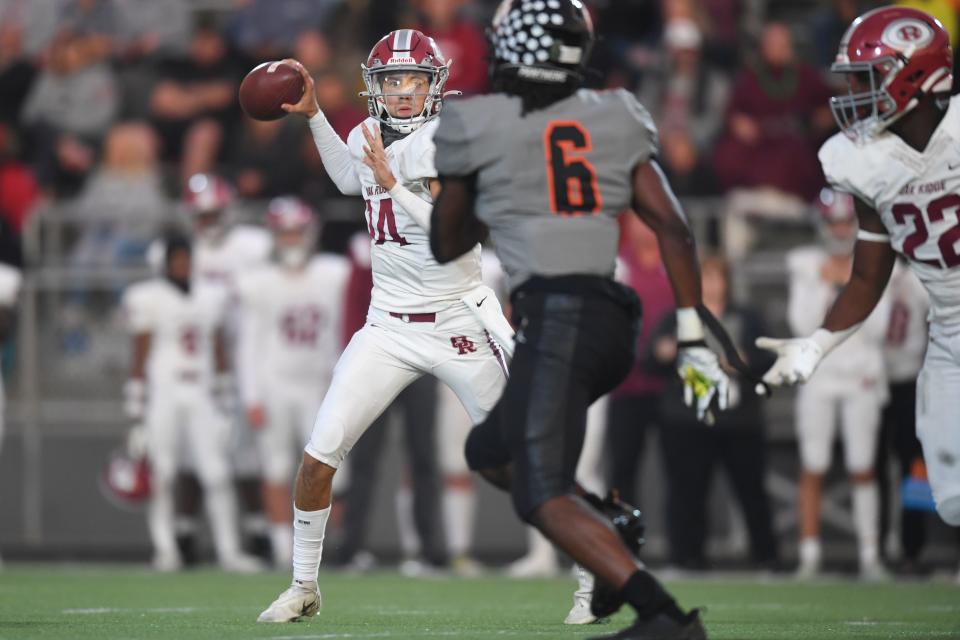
629, 523
301, 600
581, 613
662, 627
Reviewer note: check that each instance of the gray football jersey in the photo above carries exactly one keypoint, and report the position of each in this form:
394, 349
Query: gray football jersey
549, 184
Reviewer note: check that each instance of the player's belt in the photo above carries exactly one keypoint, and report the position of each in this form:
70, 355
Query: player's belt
415, 317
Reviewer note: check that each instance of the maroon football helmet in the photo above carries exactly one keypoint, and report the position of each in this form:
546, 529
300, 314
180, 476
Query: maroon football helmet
294, 228
125, 480
207, 198
892, 57
404, 50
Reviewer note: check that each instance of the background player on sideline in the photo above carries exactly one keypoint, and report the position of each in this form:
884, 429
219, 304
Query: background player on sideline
290, 339
418, 322
178, 359
546, 168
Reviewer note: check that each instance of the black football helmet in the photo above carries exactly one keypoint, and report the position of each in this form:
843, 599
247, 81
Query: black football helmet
541, 41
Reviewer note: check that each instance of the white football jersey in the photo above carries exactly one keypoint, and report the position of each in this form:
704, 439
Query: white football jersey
406, 278
917, 195
291, 329
906, 342
181, 327
243, 247
860, 357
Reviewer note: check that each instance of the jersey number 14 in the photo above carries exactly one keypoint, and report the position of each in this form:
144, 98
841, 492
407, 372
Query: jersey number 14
386, 223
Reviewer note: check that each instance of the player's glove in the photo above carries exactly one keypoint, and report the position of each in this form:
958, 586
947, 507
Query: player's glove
702, 378
797, 359
134, 399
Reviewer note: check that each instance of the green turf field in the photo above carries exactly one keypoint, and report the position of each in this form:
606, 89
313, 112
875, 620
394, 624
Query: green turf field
107, 603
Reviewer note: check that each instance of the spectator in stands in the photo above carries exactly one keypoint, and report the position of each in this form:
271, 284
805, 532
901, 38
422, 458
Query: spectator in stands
850, 381
146, 29
94, 23
16, 69
19, 191
263, 161
777, 116
635, 404
631, 30
686, 98
722, 39
461, 41
194, 102
827, 26
265, 29
123, 205
69, 109
735, 441
312, 50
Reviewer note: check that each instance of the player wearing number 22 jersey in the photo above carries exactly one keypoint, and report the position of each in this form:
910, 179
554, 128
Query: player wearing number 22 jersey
424, 318
899, 155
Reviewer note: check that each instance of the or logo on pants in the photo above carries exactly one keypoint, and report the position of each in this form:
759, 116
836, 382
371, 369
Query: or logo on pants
463, 344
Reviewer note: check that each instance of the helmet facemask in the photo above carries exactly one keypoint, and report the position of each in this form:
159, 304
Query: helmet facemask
413, 82
868, 108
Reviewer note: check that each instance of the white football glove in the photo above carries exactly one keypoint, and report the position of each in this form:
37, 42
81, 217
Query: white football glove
797, 359
702, 380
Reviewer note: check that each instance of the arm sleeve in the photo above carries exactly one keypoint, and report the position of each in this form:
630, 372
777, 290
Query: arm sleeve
335, 156
418, 208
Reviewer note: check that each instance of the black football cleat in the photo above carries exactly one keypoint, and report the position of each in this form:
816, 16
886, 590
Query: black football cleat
662, 627
629, 523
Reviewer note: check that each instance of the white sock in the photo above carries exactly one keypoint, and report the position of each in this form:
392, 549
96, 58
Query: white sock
185, 525
584, 581
810, 552
308, 530
866, 520
406, 530
222, 512
459, 511
281, 543
160, 519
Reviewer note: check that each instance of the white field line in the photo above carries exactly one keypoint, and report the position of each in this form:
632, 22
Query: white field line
105, 610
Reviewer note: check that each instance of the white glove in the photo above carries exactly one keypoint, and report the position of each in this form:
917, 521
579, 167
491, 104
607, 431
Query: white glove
134, 399
797, 359
702, 379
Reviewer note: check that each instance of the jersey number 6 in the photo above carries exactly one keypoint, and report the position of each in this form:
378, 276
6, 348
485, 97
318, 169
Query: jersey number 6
573, 180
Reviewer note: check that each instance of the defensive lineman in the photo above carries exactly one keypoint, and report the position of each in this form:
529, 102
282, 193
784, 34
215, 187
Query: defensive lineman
898, 156
290, 338
418, 322
546, 168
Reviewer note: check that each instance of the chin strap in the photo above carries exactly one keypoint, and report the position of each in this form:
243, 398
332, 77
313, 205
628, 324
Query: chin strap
729, 349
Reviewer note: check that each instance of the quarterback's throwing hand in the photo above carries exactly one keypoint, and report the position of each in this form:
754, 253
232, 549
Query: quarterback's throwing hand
702, 380
307, 107
375, 157
797, 358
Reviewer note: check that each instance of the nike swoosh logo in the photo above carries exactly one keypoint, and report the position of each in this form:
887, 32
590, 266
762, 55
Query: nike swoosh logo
481, 302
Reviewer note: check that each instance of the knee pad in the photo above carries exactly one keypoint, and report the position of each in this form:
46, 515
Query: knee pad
949, 510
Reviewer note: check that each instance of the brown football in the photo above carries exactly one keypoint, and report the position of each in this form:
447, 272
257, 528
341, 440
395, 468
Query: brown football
268, 86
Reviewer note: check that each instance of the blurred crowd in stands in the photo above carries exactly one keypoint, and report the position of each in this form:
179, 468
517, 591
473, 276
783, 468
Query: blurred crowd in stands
107, 107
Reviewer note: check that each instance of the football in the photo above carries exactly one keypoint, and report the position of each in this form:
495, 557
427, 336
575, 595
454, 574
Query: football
267, 86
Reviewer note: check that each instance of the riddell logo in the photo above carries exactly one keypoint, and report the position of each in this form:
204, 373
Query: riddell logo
401, 60
907, 33
463, 345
